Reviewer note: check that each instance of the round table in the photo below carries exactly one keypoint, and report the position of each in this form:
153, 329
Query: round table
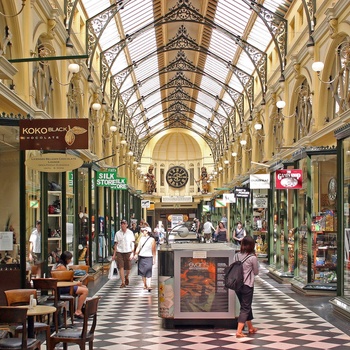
38, 310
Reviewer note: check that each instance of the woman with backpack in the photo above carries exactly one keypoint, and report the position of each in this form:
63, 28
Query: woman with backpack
245, 294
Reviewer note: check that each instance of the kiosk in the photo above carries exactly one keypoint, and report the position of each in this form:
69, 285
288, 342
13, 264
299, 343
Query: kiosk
191, 285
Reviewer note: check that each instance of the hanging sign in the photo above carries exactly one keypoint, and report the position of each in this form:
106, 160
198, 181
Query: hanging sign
259, 181
241, 192
110, 179
53, 134
289, 179
219, 203
229, 197
54, 162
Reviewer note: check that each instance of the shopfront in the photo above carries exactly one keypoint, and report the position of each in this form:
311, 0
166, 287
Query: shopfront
341, 303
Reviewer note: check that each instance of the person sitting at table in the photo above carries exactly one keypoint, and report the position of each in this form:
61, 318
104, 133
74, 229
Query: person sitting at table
79, 289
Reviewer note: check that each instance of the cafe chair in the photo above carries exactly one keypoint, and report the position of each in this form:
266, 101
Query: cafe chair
79, 336
47, 287
70, 297
12, 315
17, 297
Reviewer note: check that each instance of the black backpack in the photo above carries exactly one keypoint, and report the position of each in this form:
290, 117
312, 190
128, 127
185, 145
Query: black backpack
233, 278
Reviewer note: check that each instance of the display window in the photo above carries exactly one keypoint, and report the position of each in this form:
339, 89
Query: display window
346, 216
324, 219
302, 232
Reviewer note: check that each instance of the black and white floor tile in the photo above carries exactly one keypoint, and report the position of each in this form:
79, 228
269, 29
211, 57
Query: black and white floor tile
128, 319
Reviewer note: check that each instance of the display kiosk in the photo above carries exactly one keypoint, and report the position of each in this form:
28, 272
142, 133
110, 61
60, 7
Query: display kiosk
191, 285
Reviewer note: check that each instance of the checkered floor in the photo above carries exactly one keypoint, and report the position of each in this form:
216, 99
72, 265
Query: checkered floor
128, 319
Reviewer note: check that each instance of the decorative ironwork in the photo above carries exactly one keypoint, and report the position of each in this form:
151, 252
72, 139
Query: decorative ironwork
276, 25
97, 24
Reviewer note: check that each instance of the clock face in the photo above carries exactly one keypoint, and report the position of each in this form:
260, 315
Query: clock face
177, 176
332, 189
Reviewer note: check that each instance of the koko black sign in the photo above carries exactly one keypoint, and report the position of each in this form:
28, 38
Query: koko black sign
53, 134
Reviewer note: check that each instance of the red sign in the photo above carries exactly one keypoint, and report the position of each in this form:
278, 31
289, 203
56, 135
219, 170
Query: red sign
289, 179
53, 134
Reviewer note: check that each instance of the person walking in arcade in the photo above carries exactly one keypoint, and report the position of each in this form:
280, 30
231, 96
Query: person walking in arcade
245, 294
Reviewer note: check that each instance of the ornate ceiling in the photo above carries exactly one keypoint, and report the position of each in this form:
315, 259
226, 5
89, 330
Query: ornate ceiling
190, 64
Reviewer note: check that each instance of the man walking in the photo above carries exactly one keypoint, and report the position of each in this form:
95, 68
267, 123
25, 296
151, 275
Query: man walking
208, 228
124, 241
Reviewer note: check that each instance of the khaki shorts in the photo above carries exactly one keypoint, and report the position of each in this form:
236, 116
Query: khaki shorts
123, 261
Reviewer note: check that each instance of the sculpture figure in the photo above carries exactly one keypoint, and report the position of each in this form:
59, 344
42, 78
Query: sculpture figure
150, 181
205, 180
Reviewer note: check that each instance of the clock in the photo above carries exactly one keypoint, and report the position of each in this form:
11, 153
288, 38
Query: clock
332, 189
177, 176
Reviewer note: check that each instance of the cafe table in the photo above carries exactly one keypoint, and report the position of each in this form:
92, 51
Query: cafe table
61, 284
38, 310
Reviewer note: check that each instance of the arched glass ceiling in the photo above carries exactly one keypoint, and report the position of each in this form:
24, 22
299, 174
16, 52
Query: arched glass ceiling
150, 35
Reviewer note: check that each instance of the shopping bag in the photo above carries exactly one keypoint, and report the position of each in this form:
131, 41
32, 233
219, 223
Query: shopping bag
113, 271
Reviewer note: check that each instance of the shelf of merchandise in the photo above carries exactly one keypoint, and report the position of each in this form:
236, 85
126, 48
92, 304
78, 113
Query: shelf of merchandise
54, 223
325, 256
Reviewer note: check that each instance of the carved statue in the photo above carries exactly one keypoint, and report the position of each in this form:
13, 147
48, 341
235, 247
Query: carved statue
205, 180
150, 181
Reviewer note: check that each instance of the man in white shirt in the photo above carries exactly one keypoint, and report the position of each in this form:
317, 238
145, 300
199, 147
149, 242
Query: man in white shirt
35, 243
208, 228
124, 241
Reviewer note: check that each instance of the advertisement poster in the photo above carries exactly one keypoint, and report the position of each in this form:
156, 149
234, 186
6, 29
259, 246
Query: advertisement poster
202, 285
166, 296
289, 179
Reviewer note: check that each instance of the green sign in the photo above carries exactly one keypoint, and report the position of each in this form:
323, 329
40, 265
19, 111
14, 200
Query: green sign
109, 179
70, 178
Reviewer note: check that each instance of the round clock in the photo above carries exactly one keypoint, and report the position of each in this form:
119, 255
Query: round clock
332, 189
177, 176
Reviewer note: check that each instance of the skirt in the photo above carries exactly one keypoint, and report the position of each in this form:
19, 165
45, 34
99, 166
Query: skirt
145, 264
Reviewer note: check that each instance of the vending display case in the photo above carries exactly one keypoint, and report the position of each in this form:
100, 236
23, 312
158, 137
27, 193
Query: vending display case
325, 257
195, 293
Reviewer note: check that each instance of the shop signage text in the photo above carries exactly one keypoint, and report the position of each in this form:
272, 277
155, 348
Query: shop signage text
54, 162
53, 134
242, 192
110, 179
289, 179
259, 181
176, 199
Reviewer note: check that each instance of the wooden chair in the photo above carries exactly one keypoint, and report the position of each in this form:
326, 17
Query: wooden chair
70, 297
17, 316
16, 297
76, 336
49, 296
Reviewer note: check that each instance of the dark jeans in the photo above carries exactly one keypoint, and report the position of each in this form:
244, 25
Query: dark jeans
245, 297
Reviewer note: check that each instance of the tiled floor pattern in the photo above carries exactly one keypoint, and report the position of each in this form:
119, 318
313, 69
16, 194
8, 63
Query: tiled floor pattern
128, 319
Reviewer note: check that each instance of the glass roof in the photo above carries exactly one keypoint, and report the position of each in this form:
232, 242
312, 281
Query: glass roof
148, 67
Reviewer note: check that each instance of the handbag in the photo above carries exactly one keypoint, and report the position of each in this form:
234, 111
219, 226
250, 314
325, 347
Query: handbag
113, 271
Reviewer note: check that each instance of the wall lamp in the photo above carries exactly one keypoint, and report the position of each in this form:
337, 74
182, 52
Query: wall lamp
73, 68
243, 143
113, 127
280, 105
258, 126
96, 106
23, 4
343, 51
